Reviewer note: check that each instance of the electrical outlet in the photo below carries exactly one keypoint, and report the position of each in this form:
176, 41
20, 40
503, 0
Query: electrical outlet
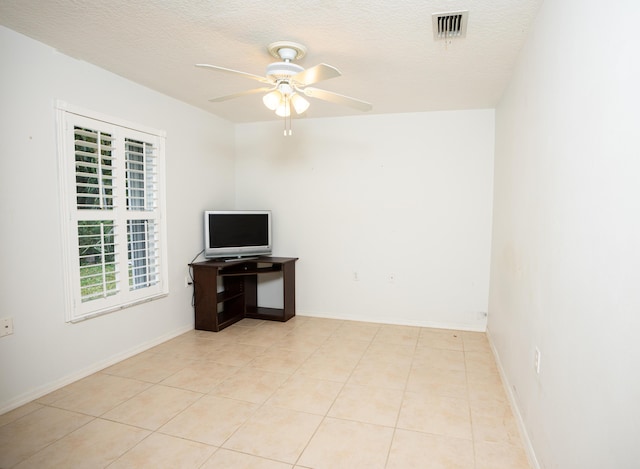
536, 360
6, 326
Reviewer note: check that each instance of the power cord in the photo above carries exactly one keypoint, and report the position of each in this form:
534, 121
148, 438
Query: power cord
193, 294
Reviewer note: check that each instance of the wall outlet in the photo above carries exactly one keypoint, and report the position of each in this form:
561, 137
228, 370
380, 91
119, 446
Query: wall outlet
536, 360
6, 326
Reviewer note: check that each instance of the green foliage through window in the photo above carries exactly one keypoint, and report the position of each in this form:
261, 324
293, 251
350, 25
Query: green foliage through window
97, 256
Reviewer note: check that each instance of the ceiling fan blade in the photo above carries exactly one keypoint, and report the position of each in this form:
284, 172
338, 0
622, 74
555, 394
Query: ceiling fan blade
337, 98
315, 74
235, 72
241, 93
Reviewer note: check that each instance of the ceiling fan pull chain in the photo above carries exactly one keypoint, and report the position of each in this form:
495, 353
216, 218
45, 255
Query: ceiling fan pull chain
287, 113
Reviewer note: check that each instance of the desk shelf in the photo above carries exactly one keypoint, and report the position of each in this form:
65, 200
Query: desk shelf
215, 310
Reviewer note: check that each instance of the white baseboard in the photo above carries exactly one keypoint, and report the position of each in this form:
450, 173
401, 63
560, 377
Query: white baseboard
398, 322
93, 368
528, 447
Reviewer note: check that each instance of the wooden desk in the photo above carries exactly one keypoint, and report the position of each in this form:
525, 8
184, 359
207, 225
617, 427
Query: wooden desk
215, 310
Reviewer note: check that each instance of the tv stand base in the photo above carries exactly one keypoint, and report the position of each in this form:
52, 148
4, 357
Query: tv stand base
215, 310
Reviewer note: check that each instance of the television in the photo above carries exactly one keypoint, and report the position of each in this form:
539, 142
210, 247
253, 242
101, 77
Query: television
237, 233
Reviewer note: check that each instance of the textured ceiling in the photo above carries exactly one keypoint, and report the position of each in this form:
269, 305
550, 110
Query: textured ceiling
384, 48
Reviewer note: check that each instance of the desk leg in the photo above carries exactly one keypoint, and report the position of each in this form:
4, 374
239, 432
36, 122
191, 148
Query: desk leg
289, 290
206, 302
250, 295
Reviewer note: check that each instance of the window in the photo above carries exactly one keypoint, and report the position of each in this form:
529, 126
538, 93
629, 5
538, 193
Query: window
111, 185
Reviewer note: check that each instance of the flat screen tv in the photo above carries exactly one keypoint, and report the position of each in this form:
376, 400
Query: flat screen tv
237, 233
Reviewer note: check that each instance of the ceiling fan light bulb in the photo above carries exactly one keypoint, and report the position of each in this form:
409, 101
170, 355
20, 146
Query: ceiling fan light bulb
272, 99
284, 110
299, 103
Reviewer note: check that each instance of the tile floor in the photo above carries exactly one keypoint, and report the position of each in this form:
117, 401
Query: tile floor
308, 393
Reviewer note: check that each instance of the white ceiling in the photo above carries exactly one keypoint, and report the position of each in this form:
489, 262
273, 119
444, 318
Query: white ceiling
384, 48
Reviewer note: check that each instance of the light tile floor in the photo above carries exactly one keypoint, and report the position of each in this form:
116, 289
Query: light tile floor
308, 393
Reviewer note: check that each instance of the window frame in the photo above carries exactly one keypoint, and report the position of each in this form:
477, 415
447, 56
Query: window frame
121, 132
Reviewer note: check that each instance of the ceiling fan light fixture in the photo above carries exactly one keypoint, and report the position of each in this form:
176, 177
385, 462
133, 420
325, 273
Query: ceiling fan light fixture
299, 103
284, 110
272, 100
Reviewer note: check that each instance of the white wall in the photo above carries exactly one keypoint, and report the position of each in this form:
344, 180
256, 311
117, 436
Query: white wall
389, 215
45, 352
566, 242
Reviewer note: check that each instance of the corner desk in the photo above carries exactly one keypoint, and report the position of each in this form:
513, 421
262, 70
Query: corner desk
215, 310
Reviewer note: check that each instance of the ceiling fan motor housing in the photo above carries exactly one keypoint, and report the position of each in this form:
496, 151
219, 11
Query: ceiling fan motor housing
282, 70
286, 51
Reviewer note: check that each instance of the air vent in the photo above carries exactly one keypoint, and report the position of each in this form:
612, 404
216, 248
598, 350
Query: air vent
450, 25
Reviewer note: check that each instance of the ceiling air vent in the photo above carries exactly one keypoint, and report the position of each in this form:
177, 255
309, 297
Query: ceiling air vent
450, 25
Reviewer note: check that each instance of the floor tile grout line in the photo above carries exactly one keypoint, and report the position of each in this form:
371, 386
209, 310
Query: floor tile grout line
257, 408
158, 430
130, 449
326, 415
473, 442
28, 413
58, 439
404, 391
262, 405
473, 432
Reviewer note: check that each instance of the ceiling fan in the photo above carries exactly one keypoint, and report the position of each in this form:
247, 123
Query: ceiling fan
288, 83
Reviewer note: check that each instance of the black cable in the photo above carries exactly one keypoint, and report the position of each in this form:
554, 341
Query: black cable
193, 294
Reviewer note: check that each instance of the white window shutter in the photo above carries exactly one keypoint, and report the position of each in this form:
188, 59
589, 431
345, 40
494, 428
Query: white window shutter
112, 184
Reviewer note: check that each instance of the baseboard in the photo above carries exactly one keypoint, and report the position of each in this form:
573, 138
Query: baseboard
93, 368
528, 447
398, 322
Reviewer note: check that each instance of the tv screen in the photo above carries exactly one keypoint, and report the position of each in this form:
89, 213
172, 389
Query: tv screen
237, 233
